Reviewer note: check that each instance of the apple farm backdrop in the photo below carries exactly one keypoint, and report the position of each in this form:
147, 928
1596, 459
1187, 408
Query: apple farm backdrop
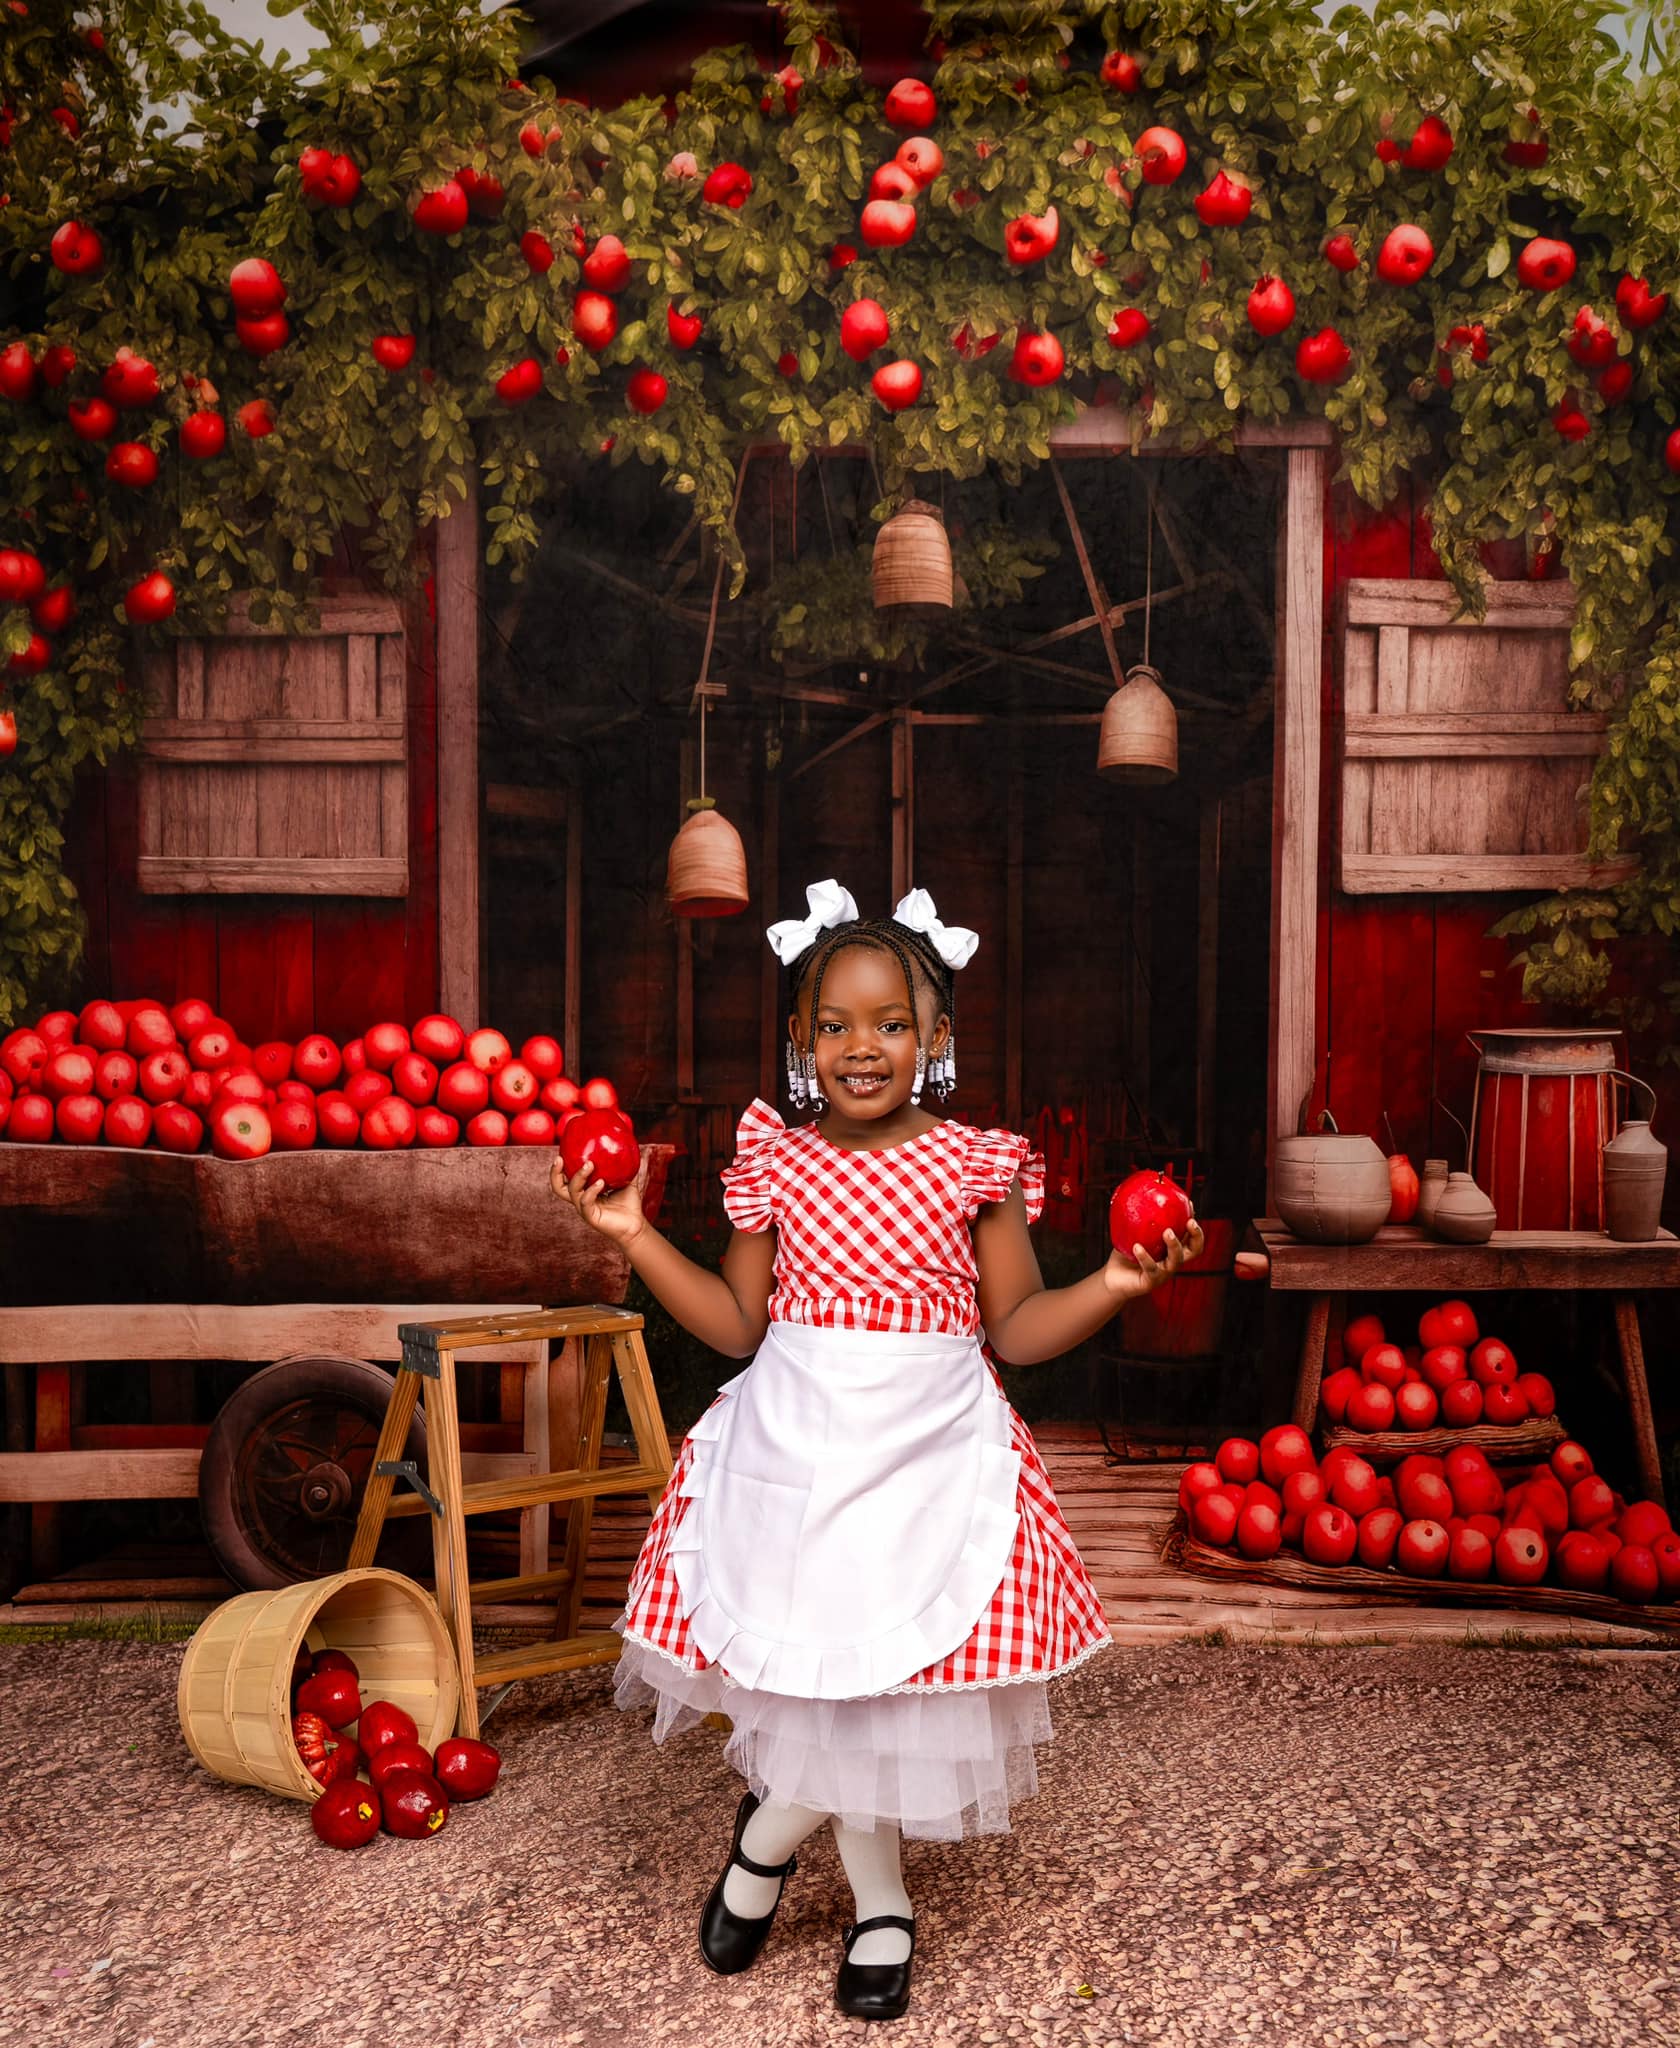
1194, 486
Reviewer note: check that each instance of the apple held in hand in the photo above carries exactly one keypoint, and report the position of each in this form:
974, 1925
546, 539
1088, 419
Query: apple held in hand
1142, 1209
600, 1137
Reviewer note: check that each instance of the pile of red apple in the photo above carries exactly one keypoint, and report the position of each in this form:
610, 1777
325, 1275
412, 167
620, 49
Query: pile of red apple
131, 1074
383, 1776
1451, 1517
1452, 1378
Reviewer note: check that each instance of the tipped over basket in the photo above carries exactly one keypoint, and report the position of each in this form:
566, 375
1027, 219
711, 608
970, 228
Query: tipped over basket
234, 1696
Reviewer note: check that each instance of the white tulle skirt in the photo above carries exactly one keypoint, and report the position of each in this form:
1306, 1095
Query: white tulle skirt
940, 1764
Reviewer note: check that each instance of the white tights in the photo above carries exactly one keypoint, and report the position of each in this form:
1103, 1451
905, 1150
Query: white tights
870, 1861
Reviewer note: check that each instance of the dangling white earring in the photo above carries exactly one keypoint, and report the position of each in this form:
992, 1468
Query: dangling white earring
944, 1074
921, 1072
795, 1076
818, 1099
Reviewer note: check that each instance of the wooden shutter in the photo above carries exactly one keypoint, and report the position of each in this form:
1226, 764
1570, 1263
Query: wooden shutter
277, 763
1461, 767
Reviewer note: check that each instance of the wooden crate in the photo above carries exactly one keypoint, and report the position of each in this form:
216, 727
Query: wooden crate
277, 763
1462, 768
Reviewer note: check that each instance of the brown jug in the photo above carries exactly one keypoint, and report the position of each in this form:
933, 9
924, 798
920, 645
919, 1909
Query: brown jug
1430, 1189
1635, 1166
1463, 1215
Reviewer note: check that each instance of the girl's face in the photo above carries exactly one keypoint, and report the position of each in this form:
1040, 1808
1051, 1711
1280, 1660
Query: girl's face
863, 1032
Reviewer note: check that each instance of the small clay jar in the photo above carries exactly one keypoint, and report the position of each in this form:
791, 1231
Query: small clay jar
1430, 1189
1463, 1214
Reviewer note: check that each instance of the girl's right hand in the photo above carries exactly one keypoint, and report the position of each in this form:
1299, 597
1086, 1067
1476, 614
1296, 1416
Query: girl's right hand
615, 1212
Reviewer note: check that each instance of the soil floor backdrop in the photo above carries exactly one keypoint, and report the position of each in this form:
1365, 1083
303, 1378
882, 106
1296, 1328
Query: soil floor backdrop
1429, 1847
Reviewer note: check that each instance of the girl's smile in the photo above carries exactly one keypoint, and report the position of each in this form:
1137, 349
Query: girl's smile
864, 1035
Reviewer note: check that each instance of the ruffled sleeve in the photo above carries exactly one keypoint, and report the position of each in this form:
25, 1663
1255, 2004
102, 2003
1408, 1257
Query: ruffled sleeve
747, 1178
995, 1158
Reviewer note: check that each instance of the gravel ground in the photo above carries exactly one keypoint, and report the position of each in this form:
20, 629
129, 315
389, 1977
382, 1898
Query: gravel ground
1281, 1846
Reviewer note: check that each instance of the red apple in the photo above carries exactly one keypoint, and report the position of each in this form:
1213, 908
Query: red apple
1538, 1392
295, 1125
1590, 1501
1161, 155
488, 1128
1633, 1574
255, 287
1322, 358
337, 1119
1571, 1461
1359, 1336
683, 329
1461, 1404
1545, 264
1503, 1405
315, 1059
114, 1074
1441, 1365
727, 184
887, 223
1643, 1522
1449, 1322
441, 210
1417, 1406
1354, 1487
1259, 1530
1636, 304
432, 1127
1383, 1364
1424, 1495
607, 266
864, 328
1284, 1451
1430, 146
1225, 204
150, 600
893, 181
1469, 1554
362, 1090
1379, 1532
439, 1038
76, 250
1213, 1519
1423, 1549
1198, 1479
414, 1077
1491, 1362
1128, 327
463, 1089
1029, 238
911, 104
1370, 1406
1666, 1551
594, 320
1582, 1562
922, 157
1271, 305
1329, 1535
543, 1056
897, 385
1337, 1391
1238, 1459
487, 1050
1340, 252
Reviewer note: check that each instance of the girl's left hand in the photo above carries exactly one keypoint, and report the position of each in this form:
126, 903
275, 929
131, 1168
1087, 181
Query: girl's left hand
1138, 1275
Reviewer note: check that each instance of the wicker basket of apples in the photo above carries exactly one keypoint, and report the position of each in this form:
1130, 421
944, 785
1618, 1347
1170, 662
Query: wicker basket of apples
408, 1162
1438, 1529
1452, 1388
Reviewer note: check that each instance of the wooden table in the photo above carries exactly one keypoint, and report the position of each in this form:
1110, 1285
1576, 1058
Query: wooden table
1401, 1258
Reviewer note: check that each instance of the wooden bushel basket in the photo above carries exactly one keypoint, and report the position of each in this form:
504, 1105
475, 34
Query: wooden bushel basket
1499, 1442
234, 1696
910, 570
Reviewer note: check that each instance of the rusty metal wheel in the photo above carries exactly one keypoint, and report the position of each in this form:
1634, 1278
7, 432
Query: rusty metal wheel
284, 1469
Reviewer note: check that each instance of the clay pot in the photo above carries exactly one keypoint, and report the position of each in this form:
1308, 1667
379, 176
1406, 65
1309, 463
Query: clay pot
1635, 1167
1430, 1189
1463, 1214
1331, 1189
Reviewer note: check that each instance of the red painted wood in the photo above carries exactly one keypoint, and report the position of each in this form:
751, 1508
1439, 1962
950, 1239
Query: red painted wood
420, 933
266, 964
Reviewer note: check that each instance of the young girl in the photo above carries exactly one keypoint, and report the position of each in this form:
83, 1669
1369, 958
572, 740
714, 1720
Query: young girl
859, 1559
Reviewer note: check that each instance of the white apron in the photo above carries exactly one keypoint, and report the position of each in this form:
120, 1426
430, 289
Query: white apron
852, 1510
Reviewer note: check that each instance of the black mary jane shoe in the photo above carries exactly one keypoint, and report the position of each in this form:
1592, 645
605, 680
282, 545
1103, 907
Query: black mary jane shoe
729, 1941
875, 1991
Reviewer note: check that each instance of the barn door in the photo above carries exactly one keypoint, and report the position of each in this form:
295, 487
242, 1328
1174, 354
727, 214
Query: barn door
278, 763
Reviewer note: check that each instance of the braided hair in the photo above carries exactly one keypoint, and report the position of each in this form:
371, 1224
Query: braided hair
913, 950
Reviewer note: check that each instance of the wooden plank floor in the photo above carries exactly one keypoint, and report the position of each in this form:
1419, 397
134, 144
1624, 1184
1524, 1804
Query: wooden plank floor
1118, 1513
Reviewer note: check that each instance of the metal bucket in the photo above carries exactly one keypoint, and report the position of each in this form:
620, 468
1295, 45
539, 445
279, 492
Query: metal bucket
1544, 1110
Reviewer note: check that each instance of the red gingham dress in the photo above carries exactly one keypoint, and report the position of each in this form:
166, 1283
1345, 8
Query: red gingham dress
880, 1240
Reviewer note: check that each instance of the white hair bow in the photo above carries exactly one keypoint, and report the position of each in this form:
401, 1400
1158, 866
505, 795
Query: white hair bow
954, 943
830, 905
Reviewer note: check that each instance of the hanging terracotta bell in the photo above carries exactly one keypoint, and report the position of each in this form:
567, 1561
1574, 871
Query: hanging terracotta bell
1138, 741
706, 875
911, 568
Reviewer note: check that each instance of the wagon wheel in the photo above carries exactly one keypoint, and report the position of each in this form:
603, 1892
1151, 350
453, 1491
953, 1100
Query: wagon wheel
287, 1461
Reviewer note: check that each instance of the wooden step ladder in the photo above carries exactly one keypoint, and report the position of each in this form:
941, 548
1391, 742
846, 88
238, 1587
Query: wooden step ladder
612, 1340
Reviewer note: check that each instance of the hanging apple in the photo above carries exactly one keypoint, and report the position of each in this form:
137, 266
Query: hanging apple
594, 320
1322, 358
607, 266
31, 658
485, 196
684, 329
131, 463
646, 390
1340, 252
67, 121
91, 419
842, 255
971, 346
520, 382
537, 250
864, 328
442, 209
392, 351
533, 140
1545, 264
256, 418
18, 371
1528, 152
787, 364
892, 180
1615, 382
76, 250
1592, 341
332, 180
1037, 359
130, 381
1671, 451
1271, 305
1405, 255
1161, 155
1225, 203
203, 434
922, 157
1430, 147
53, 610
791, 82
8, 745
255, 286
22, 579
57, 364
1472, 340
1121, 72
1570, 421
1029, 238
728, 185
1637, 305
887, 223
911, 104
151, 599
1128, 327
260, 334
897, 385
